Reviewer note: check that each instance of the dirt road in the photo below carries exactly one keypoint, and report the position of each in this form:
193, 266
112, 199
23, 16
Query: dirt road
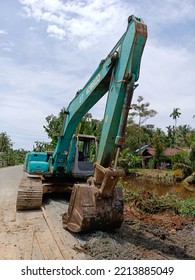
40, 235
32, 234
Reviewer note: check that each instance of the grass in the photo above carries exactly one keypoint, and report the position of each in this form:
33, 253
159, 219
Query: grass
187, 207
151, 172
149, 202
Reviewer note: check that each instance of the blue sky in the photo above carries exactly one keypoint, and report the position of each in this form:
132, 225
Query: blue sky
50, 48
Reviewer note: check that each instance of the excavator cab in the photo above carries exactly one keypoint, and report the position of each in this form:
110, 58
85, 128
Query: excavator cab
85, 147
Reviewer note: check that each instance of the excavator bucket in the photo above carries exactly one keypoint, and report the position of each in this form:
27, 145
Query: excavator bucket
88, 212
96, 206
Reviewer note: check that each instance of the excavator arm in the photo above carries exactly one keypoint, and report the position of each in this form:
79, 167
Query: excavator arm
84, 100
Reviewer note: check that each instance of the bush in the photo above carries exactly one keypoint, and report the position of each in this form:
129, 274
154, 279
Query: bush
155, 204
192, 155
151, 163
181, 157
150, 203
181, 171
127, 160
187, 207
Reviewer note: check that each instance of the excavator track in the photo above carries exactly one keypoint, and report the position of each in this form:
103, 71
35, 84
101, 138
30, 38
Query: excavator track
30, 194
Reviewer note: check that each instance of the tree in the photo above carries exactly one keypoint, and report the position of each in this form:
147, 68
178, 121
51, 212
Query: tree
158, 143
142, 111
9, 156
5, 142
192, 155
5, 149
190, 137
54, 126
170, 136
183, 132
138, 134
42, 146
88, 125
175, 115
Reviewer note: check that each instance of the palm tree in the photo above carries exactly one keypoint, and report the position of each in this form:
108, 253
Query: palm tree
175, 115
5, 142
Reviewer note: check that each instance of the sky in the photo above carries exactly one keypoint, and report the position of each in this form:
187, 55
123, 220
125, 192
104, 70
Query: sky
50, 48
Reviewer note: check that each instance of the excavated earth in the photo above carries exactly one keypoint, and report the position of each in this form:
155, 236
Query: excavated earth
144, 236
40, 235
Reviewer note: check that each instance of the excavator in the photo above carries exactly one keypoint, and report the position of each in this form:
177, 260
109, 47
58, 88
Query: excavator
80, 163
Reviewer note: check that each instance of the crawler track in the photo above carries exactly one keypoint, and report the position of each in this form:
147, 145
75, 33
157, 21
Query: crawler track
30, 194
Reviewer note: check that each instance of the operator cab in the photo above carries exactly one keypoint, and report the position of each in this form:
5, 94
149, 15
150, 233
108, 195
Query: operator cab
85, 155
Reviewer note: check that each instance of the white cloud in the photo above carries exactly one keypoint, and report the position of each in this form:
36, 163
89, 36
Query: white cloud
2, 32
90, 19
6, 46
78, 20
52, 5
55, 31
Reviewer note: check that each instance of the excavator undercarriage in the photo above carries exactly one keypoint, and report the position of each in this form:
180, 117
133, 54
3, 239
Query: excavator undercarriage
32, 189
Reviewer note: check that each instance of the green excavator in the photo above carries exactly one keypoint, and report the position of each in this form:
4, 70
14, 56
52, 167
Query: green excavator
80, 163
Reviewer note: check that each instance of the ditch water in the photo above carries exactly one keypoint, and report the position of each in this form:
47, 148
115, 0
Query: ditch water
159, 186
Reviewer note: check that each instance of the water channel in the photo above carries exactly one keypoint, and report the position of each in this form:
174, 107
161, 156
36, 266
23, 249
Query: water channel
159, 186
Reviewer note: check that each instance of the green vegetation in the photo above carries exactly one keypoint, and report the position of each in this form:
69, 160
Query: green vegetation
128, 161
88, 125
187, 207
138, 134
149, 202
141, 111
175, 115
9, 156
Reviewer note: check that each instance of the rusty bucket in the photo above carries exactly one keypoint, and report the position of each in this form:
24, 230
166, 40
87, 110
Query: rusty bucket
90, 211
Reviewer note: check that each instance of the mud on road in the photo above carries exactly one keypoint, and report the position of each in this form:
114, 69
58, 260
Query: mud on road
40, 235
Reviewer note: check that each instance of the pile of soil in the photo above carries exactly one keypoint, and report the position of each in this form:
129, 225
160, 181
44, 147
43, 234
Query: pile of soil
143, 236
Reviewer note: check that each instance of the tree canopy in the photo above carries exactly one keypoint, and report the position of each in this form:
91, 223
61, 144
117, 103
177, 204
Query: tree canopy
9, 156
142, 111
